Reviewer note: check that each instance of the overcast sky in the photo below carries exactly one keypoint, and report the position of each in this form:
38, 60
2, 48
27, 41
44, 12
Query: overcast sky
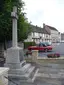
50, 12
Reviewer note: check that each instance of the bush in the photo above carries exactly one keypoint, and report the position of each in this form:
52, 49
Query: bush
55, 55
27, 44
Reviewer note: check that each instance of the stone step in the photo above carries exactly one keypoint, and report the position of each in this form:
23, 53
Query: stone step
29, 71
33, 75
43, 60
21, 70
50, 70
38, 83
51, 65
25, 67
23, 63
49, 81
43, 81
29, 76
51, 75
32, 78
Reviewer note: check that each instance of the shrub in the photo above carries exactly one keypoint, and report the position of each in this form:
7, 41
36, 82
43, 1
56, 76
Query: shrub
55, 55
27, 44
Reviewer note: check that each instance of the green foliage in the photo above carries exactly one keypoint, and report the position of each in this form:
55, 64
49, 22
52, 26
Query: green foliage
24, 28
6, 7
27, 44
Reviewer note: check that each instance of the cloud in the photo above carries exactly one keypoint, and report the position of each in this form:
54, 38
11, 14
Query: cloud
46, 11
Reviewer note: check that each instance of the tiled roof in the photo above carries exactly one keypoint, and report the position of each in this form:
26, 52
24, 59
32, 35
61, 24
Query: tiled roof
38, 29
46, 28
46, 31
52, 28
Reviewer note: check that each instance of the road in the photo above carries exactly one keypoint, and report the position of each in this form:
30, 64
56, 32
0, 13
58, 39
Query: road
58, 48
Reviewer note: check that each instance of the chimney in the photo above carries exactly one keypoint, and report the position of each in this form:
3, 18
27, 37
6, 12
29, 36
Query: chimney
43, 25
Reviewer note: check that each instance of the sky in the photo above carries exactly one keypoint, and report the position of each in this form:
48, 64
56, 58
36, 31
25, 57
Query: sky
50, 12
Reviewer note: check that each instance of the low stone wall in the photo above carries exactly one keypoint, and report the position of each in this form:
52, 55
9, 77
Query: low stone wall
3, 76
38, 59
59, 60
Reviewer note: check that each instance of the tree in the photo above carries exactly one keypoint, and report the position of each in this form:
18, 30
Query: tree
23, 26
6, 22
6, 7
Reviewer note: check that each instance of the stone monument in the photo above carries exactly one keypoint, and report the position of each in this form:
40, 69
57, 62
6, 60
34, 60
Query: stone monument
20, 71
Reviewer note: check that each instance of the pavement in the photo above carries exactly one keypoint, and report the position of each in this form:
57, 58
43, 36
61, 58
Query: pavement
57, 48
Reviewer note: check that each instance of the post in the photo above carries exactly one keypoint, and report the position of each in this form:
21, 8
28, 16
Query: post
34, 55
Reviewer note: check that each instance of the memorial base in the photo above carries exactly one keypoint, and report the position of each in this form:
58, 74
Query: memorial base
19, 69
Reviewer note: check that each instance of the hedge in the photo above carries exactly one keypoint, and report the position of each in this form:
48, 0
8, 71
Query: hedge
27, 44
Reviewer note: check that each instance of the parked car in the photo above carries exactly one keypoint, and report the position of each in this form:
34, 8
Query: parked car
41, 47
48, 43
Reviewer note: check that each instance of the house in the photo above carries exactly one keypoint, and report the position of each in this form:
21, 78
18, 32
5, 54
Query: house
43, 34
38, 34
54, 33
59, 37
62, 37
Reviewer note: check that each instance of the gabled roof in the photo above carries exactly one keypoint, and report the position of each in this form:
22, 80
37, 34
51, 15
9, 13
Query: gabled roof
46, 28
49, 28
45, 31
52, 28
